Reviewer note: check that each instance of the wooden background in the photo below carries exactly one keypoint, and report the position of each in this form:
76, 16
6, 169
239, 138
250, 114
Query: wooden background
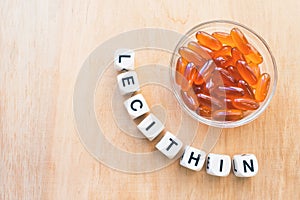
42, 47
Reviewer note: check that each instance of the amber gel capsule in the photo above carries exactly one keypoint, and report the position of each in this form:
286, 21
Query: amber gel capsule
229, 91
262, 87
255, 68
198, 88
246, 72
228, 115
209, 101
207, 40
240, 40
203, 88
228, 104
224, 51
204, 72
180, 68
190, 71
245, 104
188, 76
224, 38
201, 50
248, 90
236, 55
223, 61
234, 72
254, 56
203, 111
191, 56
190, 99
222, 77
206, 87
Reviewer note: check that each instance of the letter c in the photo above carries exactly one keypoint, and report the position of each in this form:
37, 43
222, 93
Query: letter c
133, 102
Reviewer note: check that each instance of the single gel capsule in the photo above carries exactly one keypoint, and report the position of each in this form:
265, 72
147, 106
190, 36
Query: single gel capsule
229, 91
190, 99
246, 72
188, 77
240, 40
228, 115
180, 68
207, 40
262, 87
191, 56
245, 104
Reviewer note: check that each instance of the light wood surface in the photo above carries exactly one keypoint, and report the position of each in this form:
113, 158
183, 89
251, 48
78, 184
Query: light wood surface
42, 47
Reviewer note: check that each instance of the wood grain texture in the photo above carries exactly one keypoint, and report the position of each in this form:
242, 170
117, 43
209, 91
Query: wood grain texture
42, 47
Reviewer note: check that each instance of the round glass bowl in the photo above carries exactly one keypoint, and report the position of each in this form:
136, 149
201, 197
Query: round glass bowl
267, 66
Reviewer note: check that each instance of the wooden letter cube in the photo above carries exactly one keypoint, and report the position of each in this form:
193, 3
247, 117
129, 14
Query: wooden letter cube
169, 145
136, 106
218, 164
245, 165
193, 158
128, 82
151, 127
124, 59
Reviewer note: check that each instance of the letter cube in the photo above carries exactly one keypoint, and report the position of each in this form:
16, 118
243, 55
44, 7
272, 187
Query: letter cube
169, 145
124, 59
128, 82
218, 164
193, 158
136, 106
245, 165
151, 127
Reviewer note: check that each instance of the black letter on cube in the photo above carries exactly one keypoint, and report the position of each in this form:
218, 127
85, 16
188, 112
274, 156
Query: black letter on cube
133, 102
128, 80
172, 142
247, 165
194, 158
